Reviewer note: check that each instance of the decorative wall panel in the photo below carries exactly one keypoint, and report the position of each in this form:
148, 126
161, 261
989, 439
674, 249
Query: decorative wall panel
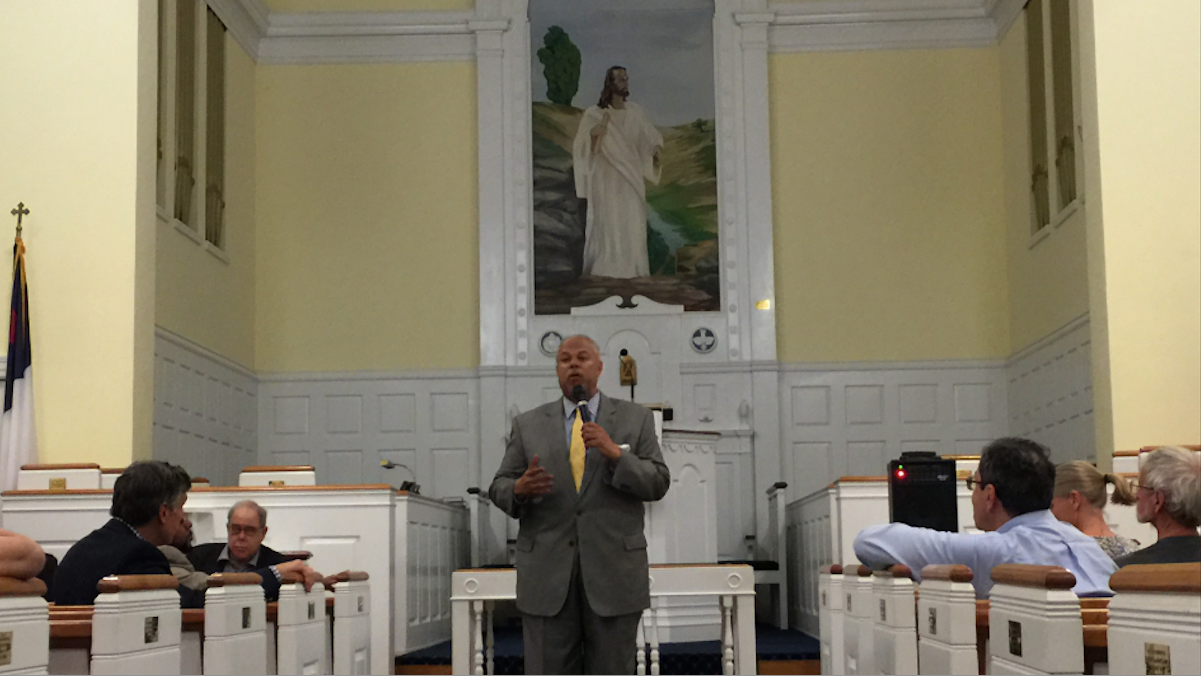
1050, 392
345, 424
205, 410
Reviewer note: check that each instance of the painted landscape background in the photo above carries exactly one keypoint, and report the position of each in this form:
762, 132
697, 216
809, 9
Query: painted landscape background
652, 40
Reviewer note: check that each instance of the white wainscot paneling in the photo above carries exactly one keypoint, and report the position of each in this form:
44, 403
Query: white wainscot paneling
1051, 392
851, 419
205, 410
346, 424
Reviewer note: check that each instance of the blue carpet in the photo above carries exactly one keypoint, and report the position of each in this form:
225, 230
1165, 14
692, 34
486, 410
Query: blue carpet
698, 657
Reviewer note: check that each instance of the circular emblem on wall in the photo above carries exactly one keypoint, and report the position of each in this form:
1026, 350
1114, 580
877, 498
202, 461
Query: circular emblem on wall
549, 345
704, 340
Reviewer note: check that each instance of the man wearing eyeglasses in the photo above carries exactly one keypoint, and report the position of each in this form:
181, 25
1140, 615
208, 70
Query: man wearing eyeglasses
1169, 498
245, 552
1011, 502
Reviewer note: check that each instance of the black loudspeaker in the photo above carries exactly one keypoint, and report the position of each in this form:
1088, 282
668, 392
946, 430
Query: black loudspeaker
921, 491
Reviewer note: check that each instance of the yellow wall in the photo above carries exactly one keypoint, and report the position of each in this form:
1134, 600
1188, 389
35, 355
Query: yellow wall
74, 153
887, 184
1142, 71
1048, 281
367, 239
201, 297
369, 5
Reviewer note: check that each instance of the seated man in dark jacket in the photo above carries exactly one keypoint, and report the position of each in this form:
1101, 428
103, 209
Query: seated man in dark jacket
147, 511
246, 526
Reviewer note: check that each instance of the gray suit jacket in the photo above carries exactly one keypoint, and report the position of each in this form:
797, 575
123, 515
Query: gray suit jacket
604, 520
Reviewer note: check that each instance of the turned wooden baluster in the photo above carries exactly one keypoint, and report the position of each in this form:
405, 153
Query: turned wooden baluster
477, 644
654, 640
727, 636
491, 641
640, 645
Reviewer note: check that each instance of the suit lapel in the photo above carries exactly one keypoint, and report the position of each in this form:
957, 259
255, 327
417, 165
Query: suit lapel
559, 462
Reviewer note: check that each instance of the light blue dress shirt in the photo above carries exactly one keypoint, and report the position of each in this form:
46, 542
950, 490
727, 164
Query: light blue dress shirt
569, 413
1036, 538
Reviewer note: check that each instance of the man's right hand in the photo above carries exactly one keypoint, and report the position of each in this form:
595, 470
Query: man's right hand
534, 482
299, 567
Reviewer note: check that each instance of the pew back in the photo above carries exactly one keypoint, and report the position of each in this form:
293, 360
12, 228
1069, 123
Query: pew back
894, 637
352, 621
61, 477
301, 630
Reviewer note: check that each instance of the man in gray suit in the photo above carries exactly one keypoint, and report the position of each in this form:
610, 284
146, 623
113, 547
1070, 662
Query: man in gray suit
578, 489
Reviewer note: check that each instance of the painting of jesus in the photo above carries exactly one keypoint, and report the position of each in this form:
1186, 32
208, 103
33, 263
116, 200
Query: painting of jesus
624, 189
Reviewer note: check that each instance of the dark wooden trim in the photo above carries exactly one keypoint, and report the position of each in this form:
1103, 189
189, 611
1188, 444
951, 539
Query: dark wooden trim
1042, 577
951, 572
67, 465
11, 586
119, 583
1175, 578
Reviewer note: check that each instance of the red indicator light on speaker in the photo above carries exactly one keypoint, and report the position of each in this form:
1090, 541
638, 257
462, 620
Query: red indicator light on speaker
900, 473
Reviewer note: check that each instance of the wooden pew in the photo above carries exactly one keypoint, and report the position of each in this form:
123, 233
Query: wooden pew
830, 613
352, 623
59, 477
24, 627
1035, 624
278, 475
70, 644
1155, 619
894, 634
946, 618
235, 625
857, 619
136, 625
302, 636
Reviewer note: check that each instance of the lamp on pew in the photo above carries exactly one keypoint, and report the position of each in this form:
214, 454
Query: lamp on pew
408, 486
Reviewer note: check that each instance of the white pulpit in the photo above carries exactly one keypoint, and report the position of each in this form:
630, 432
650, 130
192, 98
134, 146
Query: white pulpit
682, 528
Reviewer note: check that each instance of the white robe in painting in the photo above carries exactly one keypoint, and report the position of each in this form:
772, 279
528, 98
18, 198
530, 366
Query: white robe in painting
613, 182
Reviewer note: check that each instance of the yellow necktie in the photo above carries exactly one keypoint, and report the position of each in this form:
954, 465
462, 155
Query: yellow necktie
576, 454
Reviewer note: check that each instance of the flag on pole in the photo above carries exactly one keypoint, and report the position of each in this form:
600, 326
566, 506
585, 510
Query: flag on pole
18, 435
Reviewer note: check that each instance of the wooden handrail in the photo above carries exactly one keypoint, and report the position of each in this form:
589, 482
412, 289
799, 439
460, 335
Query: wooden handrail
119, 583
949, 572
1042, 577
234, 579
1177, 578
278, 468
68, 465
351, 576
11, 586
832, 569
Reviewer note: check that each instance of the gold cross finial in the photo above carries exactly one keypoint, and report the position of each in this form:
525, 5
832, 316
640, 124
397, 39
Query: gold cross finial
20, 212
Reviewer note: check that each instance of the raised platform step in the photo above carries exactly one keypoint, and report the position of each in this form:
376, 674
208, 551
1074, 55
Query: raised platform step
779, 652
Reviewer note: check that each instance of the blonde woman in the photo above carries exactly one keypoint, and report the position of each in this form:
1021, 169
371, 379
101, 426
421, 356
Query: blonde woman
1080, 498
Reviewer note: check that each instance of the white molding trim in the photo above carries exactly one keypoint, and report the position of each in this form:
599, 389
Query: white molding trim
246, 21
331, 376
817, 25
845, 25
204, 353
931, 365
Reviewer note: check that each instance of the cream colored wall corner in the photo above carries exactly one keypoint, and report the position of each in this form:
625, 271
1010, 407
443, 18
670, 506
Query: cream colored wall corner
200, 297
888, 174
80, 78
1141, 75
1048, 278
367, 225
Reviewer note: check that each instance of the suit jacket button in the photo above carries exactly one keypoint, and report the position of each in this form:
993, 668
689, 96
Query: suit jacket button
579, 512
571, 543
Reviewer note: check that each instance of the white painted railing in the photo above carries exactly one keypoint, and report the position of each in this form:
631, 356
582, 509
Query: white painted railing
474, 591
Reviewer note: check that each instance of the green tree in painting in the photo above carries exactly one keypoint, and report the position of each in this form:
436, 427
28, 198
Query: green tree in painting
560, 60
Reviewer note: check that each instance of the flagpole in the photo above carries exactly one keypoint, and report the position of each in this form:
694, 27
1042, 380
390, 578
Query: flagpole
18, 432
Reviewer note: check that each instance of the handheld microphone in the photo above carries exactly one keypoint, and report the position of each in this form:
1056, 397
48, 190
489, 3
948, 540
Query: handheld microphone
581, 402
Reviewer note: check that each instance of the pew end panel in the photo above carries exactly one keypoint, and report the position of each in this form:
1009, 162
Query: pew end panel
1155, 619
946, 621
1034, 621
235, 625
136, 626
24, 627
